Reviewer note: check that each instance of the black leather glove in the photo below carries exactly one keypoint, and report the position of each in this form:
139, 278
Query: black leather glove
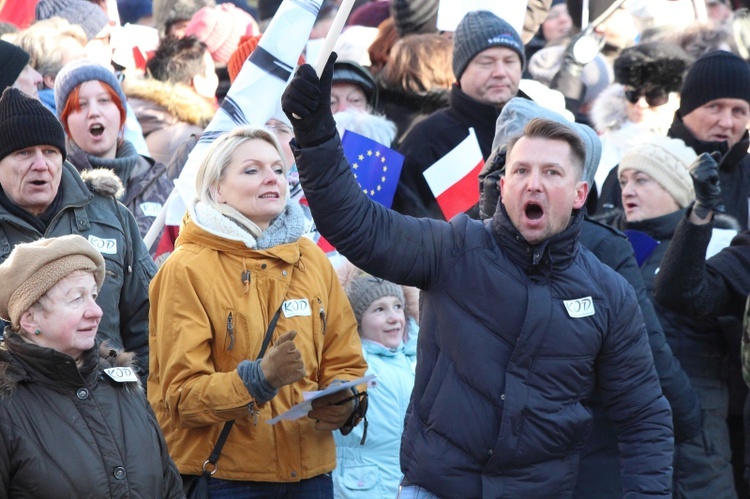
581, 50
307, 103
705, 174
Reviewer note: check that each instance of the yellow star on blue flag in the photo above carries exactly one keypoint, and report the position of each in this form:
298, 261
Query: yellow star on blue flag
375, 166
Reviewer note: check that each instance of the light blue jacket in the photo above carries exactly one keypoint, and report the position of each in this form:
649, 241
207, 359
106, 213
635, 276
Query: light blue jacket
373, 470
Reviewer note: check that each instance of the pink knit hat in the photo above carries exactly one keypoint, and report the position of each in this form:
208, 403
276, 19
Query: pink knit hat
221, 28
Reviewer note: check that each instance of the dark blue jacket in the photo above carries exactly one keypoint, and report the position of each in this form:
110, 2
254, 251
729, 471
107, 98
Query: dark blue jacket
504, 368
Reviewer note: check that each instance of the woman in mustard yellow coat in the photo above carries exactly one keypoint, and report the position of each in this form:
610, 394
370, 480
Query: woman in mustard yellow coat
239, 262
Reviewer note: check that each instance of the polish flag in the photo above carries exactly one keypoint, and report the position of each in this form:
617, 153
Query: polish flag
453, 178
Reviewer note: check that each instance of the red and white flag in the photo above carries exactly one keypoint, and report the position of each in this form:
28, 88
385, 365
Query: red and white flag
453, 178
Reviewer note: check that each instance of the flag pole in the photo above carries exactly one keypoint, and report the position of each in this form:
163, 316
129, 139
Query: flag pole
333, 34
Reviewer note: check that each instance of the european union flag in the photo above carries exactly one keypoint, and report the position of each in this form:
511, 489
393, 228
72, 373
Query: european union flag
375, 166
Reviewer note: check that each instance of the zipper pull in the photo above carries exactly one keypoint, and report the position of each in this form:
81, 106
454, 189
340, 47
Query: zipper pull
322, 313
254, 411
246, 280
230, 331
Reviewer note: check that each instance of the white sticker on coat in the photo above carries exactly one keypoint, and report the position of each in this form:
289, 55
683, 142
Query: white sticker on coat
580, 307
295, 308
150, 209
121, 374
106, 246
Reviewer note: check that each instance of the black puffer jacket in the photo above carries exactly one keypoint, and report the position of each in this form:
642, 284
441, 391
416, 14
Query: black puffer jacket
74, 432
505, 373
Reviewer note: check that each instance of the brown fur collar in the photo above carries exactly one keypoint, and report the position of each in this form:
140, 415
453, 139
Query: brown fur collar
179, 99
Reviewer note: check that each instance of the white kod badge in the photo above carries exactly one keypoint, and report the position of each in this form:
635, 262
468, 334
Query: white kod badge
580, 307
106, 246
121, 374
150, 209
295, 308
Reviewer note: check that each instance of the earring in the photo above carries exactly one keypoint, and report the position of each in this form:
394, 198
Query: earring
37, 332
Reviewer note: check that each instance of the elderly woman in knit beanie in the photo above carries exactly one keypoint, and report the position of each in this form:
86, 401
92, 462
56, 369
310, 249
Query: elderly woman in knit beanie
63, 392
656, 191
369, 467
91, 106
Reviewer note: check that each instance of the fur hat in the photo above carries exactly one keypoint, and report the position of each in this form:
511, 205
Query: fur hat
26, 122
12, 61
79, 71
170, 11
87, 15
478, 31
716, 75
652, 65
596, 76
351, 72
666, 160
34, 268
221, 28
365, 289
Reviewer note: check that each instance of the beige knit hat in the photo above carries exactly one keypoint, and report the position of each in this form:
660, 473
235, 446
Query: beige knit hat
665, 160
365, 289
33, 268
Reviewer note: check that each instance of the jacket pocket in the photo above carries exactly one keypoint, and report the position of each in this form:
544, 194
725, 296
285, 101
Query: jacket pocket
359, 478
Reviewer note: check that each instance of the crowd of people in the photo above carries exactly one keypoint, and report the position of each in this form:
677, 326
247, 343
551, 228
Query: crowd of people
581, 330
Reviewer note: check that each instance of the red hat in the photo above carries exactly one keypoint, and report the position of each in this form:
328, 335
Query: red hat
244, 49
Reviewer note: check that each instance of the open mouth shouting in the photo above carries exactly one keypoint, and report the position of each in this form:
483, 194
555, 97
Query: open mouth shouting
533, 211
96, 130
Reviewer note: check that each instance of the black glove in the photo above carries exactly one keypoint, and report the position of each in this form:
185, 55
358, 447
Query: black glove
705, 174
581, 50
307, 103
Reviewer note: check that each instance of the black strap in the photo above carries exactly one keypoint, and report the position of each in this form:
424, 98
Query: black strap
214, 457
269, 333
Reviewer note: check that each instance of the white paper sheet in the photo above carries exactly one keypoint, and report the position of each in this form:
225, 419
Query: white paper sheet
305, 406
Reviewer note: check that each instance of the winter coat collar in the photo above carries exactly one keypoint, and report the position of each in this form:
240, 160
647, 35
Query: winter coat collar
375, 348
22, 362
425, 103
158, 104
286, 228
554, 254
481, 115
660, 228
733, 156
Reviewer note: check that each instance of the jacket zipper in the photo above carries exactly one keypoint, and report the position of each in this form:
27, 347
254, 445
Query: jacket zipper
322, 314
230, 331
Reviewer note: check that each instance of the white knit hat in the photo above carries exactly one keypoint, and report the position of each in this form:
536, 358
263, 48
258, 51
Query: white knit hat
667, 161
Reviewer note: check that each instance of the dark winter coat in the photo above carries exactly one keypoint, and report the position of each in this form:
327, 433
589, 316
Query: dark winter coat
689, 283
504, 372
406, 109
734, 169
147, 184
431, 139
168, 113
91, 210
69, 432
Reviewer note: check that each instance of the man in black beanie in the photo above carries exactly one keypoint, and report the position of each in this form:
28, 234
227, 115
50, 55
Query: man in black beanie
42, 195
713, 116
15, 70
488, 61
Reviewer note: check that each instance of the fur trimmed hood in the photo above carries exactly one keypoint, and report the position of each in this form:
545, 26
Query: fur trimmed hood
166, 103
12, 372
104, 182
609, 111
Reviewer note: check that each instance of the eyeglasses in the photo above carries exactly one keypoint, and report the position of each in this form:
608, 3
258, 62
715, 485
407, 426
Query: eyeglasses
654, 98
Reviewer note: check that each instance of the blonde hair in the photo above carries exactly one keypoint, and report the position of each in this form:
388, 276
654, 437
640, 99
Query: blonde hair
214, 164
